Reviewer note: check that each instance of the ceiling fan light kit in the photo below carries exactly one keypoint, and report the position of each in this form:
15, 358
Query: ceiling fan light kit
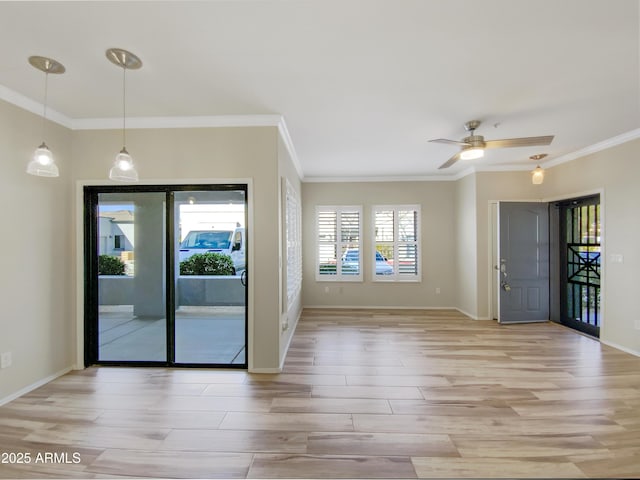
473, 146
471, 153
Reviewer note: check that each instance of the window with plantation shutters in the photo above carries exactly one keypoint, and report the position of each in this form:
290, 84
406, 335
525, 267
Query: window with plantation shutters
397, 243
293, 215
339, 236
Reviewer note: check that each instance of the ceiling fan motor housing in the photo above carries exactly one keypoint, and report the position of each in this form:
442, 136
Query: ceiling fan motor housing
474, 141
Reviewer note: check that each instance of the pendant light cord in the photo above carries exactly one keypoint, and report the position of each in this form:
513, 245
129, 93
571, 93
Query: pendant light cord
124, 107
44, 112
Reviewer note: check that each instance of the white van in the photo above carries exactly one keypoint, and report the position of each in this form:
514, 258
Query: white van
230, 242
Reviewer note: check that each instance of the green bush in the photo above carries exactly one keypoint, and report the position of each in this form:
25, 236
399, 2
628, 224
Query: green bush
109, 265
207, 264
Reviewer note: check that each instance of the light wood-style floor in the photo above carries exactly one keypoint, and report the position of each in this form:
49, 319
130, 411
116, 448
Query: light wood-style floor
364, 394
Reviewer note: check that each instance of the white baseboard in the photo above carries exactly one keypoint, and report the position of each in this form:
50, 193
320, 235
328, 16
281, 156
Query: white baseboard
265, 370
293, 332
33, 386
374, 307
472, 317
620, 347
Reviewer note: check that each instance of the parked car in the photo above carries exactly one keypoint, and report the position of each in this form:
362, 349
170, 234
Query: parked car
351, 263
230, 242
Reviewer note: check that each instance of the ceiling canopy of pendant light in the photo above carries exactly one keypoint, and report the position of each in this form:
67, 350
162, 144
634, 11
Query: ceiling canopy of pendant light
123, 169
42, 163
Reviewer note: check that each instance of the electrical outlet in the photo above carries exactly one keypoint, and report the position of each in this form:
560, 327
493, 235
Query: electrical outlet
638, 324
5, 360
437, 290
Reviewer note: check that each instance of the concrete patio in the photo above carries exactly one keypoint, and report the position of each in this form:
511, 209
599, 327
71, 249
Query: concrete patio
204, 335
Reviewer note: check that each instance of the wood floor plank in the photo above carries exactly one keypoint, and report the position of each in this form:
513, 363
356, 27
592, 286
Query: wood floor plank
293, 379
451, 425
239, 441
399, 444
527, 446
211, 403
167, 464
161, 419
299, 422
397, 380
100, 436
493, 468
330, 405
492, 408
349, 391
330, 466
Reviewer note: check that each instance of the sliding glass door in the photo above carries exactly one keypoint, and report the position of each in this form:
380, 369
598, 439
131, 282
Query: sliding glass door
210, 310
165, 275
131, 314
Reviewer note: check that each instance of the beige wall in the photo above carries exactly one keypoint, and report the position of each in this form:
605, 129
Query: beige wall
616, 171
496, 186
466, 246
613, 172
438, 226
36, 323
186, 155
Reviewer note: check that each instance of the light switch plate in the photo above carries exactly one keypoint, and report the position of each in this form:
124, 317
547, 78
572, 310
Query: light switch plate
5, 360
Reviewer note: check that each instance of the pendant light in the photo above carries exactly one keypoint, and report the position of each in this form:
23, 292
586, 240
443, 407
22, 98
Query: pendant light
537, 174
123, 168
43, 164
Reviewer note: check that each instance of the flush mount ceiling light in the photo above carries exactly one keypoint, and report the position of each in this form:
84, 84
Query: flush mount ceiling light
123, 168
537, 174
42, 164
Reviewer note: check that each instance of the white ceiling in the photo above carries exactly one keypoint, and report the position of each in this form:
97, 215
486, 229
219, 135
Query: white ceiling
361, 84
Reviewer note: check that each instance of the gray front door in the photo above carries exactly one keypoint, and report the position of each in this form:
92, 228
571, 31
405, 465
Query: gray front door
523, 253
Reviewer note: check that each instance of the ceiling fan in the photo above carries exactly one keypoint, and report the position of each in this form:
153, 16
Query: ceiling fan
473, 145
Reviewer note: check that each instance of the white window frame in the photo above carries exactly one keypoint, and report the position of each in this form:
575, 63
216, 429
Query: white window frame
293, 233
338, 243
396, 276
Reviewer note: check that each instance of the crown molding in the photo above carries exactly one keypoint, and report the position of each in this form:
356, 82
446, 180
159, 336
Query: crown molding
431, 178
288, 143
177, 122
25, 103
595, 148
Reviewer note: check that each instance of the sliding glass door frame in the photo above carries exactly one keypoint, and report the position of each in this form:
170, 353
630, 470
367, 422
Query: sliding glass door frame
91, 300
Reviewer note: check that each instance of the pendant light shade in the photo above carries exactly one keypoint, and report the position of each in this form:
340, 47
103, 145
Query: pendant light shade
537, 175
123, 169
42, 163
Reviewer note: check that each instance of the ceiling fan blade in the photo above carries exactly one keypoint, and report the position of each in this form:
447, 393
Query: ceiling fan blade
450, 142
450, 162
519, 142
